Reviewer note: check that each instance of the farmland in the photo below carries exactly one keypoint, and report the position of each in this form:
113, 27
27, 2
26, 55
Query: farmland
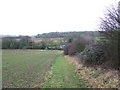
39, 63
25, 68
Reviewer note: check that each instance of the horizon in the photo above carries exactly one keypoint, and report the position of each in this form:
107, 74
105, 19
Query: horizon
27, 17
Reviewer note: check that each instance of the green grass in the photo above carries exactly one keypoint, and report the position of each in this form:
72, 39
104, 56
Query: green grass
25, 68
63, 76
98, 39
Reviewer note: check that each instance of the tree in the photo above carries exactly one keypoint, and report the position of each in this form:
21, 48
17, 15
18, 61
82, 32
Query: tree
110, 29
25, 42
8, 43
110, 24
42, 45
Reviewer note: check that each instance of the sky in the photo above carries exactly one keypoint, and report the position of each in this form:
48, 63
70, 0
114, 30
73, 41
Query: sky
30, 17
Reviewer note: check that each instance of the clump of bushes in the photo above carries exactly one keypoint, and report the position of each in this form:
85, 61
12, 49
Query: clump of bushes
76, 46
93, 53
101, 53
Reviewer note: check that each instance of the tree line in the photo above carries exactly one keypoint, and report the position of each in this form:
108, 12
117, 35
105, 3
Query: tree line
25, 42
67, 34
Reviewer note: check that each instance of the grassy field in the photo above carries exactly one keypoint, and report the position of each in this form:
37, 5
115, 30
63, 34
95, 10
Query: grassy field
25, 68
62, 75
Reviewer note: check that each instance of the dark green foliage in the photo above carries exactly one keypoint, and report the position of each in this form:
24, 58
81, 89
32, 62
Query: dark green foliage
70, 40
9, 43
101, 53
25, 43
93, 53
42, 45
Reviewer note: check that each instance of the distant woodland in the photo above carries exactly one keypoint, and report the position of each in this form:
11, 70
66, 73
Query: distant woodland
52, 40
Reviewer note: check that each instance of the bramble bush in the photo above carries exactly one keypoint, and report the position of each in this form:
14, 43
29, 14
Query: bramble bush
93, 53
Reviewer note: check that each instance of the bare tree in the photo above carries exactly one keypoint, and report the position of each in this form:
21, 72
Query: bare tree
110, 24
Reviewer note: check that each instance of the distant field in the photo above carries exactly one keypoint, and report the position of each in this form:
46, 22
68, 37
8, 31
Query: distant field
25, 68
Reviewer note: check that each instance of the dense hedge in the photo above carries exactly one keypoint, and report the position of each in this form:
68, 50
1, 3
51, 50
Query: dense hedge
102, 53
93, 53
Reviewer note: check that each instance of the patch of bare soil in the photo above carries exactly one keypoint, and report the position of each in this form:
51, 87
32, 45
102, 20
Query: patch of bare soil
95, 77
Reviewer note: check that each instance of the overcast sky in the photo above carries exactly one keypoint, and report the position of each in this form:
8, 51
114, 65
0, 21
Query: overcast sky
30, 17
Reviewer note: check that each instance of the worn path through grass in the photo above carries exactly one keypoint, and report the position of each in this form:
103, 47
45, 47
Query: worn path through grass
63, 75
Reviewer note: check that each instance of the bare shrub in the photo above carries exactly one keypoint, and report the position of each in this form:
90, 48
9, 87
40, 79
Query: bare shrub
76, 46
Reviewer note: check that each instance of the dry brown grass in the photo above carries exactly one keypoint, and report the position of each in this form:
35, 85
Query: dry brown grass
95, 77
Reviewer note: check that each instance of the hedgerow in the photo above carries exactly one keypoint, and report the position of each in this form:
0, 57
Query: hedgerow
93, 53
